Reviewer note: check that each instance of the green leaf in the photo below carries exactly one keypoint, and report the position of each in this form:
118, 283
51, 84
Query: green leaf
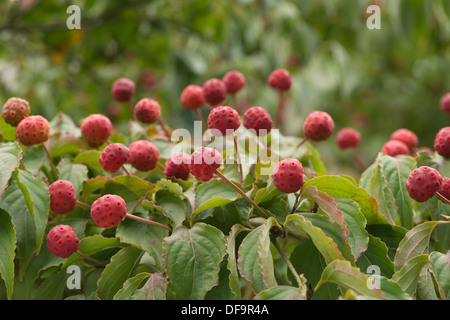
121, 267
171, 206
349, 277
193, 259
407, 277
391, 235
281, 292
75, 173
10, 156
7, 251
415, 242
267, 193
89, 158
339, 187
7, 131
255, 261
154, 289
62, 143
376, 255
131, 285
440, 266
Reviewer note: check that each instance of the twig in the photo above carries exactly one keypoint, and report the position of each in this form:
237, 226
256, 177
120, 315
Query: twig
137, 218
442, 198
84, 205
50, 158
358, 159
90, 258
288, 262
301, 142
164, 127
279, 109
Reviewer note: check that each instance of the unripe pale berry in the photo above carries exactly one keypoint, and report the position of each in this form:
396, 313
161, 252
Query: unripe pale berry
96, 129
444, 103
224, 119
423, 183
204, 161
62, 241
147, 110
33, 130
318, 126
258, 119
192, 97
108, 211
442, 142
234, 81
394, 148
123, 89
177, 166
407, 137
214, 91
63, 197
143, 155
280, 79
348, 138
288, 175
15, 110
114, 156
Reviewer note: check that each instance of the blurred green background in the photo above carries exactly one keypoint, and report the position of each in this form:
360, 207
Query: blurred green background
373, 80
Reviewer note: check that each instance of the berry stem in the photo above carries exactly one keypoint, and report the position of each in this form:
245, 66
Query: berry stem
132, 216
236, 149
442, 198
130, 106
358, 159
50, 159
160, 165
231, 183
90, 258
302, 142
200, 118
126, 170
279, 109
164, 127
84, 205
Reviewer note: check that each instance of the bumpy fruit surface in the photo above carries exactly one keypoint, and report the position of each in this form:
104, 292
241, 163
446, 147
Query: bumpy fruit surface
258, 119
192, 97
123, 89
280, 79
318, 126
108, 211
407, 137
444, 103
147, 110
177, 166
214, 91
444, 189
143, 155
96, 129
33, 130
288, 175
63, 197
15, 110
234, 81
204, 161
224, 119
442, 142
114, 156
394, 148
348, 138
423, 183
62, 241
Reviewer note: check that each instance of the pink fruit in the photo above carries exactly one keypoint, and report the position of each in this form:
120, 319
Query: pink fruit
444, 189
394, 148
444, 103
147, 110
224, 119
234, 81
258, 119
280, 79
204, 162
288, 175
62, 241
177, 166
423, 183
192, 97
15, 110
348, 138
108, 211
143, 155
63, 197
442, 142
33, 130
114, 156
123, 89
214, 91
96, 129
318, 126
407, 137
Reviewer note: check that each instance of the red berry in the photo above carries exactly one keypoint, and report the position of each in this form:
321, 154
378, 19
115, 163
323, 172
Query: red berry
423, 183
394, 148
62, 241
407, 137
192, 97
108, 211
177, 166
444, 189
63, 197
143, 155
15, 110
214, 91
280, 79
288, 175
318, 126
444, 103
96, 129
258, 119
234, 81
123, 89
204, 161
33, 130
147, 110
224, 119
114, 156
442, 142
348, 138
